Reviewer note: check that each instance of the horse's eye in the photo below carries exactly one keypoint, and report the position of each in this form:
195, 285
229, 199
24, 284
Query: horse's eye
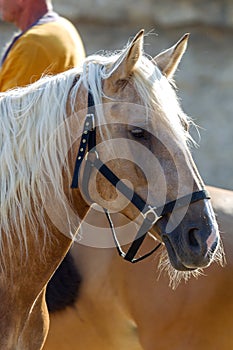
138, 132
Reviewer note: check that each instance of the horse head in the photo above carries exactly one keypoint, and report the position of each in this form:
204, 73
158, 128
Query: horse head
142, 138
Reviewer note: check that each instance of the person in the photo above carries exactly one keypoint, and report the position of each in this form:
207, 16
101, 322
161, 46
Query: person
46, 45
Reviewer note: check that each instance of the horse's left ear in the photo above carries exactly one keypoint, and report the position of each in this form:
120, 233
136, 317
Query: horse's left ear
124, 66
169, 59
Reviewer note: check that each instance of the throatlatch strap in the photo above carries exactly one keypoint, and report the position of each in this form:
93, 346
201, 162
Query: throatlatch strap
141, 234
88, 139
85, 141
137, 242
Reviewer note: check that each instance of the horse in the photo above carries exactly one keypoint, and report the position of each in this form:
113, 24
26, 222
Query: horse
113, 133
117, 305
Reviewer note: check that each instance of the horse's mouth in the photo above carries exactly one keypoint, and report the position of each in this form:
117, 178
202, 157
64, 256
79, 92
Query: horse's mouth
173, 256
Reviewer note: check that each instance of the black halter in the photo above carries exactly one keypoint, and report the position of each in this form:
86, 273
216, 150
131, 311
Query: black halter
150, 214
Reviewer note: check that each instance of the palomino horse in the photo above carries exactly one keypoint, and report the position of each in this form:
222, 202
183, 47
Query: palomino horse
135, 132
124, 306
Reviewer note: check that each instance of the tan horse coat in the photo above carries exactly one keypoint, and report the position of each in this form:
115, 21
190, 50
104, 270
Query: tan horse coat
124, 306
37, 203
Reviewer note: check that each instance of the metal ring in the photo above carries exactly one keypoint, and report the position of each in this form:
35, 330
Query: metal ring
90, 153
153, 212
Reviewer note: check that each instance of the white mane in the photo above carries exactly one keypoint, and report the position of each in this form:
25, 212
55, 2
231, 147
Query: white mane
28, 118
30, 115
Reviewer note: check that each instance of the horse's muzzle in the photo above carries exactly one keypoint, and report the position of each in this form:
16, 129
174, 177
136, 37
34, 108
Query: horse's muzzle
190, 248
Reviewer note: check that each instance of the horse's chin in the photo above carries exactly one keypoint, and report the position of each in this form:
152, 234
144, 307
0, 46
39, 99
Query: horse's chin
215, 253
174, 259
178, 271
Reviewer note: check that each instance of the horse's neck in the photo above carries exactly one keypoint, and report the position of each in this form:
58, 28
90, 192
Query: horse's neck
222, 201
104, 273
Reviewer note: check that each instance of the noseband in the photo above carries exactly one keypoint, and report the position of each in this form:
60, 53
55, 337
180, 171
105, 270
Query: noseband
87, 151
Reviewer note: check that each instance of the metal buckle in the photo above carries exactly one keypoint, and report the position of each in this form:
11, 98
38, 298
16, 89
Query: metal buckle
92, 117
151, 211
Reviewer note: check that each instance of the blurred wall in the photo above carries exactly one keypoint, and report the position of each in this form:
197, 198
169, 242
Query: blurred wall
205, 75
163, 12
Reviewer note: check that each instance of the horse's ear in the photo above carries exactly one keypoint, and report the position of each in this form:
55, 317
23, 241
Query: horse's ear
169, 59
124, 66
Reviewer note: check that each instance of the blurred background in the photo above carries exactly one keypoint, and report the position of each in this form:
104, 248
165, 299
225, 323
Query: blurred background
205, 75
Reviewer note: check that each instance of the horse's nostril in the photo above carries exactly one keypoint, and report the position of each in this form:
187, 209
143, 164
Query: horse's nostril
192, 237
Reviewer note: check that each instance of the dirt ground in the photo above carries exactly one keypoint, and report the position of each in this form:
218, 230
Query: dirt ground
204, 80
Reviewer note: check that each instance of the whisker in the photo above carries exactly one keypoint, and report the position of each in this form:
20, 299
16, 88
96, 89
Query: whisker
176, 277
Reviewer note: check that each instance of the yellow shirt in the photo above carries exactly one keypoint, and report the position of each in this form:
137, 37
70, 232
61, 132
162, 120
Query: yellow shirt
49, 48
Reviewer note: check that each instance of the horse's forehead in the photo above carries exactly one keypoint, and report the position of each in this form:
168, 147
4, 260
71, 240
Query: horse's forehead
127, 113
123, 90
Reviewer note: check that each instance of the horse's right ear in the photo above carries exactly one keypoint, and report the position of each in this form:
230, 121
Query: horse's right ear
124, 66
169, 59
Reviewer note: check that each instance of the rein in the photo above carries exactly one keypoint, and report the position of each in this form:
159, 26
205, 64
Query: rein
87, 151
